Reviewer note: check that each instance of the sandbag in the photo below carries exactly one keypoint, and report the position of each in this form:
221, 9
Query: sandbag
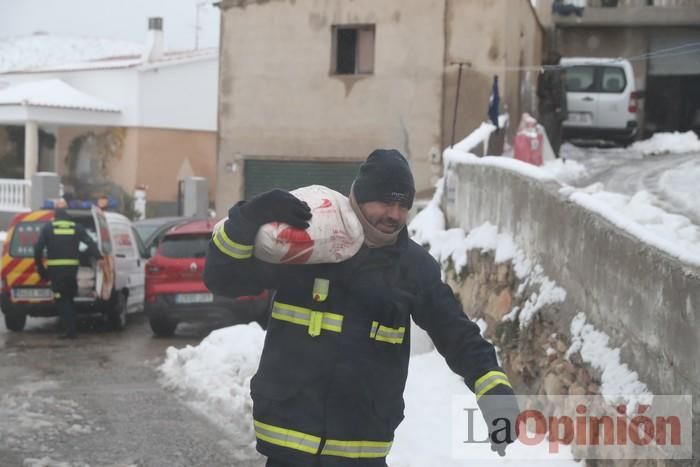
334, 234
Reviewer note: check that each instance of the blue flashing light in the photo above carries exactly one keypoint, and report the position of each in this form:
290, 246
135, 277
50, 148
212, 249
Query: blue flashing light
111, 203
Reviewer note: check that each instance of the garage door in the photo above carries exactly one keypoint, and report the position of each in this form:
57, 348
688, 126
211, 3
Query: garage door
265, 175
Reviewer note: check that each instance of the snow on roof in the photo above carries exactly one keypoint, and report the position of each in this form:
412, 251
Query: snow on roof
49, 53
45, 50
52, 93
131, 61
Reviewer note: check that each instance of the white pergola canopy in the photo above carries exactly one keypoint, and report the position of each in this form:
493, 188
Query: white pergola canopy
54, 102
50, 102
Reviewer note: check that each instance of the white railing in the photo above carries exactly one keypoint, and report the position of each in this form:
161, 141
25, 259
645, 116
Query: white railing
14, 194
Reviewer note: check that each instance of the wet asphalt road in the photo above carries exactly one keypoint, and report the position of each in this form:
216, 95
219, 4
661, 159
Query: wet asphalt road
96, 400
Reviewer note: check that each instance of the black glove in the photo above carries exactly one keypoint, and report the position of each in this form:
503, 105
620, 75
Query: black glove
500, 413
277, 206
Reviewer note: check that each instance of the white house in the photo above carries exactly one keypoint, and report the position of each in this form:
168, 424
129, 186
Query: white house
116, 123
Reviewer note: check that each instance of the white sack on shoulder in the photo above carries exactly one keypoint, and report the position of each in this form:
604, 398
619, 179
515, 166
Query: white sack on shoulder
334, 234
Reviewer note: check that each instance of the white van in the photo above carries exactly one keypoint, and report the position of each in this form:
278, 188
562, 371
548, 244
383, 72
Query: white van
130, 261
602, 99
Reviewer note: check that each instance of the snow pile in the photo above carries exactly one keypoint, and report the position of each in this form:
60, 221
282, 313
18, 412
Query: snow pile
681, 186
214, 379
638, 216
566, 171
668, 143
617, 379
41, 50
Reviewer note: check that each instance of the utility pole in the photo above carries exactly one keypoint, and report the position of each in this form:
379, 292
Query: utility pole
456, 106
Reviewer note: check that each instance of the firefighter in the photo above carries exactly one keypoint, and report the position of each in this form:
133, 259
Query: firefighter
61, 239
329, 387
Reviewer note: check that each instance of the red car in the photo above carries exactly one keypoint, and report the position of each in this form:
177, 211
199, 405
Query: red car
175, 291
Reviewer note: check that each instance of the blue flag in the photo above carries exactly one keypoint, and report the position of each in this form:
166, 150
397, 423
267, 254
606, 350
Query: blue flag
494, 102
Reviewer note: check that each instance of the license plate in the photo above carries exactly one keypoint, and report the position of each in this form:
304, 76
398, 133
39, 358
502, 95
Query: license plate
194, 298
582, 118
32, 294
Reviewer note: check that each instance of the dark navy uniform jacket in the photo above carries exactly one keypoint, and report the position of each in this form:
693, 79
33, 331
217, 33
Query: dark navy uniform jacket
329, 388
61, 239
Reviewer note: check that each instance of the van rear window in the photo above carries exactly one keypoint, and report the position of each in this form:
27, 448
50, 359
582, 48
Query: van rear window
595, 78
184, 246
580, 79
27, 233
613, 79
24, 237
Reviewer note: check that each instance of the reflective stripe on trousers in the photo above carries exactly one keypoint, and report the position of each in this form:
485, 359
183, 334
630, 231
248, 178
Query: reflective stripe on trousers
311, 444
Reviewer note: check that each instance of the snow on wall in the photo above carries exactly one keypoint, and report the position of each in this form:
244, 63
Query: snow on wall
451, 246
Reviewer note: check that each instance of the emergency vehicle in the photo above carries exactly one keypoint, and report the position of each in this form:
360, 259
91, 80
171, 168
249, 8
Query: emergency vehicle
110, 287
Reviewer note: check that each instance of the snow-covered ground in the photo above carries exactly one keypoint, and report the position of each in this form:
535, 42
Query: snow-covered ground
649, 189
666, 165
31, 418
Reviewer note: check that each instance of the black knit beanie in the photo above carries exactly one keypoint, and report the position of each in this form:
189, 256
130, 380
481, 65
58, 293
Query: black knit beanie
385, 176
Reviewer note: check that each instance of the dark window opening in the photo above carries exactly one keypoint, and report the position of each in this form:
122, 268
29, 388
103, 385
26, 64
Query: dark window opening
347, 44
353, 50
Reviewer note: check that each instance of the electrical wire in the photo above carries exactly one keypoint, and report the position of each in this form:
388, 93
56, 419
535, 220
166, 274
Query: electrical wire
694, 48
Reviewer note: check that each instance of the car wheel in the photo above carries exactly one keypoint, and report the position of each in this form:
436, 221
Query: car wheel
116, 314
15, 321
162, 326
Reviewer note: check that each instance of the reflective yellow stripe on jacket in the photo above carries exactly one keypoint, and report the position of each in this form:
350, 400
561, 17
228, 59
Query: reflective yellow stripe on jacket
387, 334
63, 262
311, 444
231, 248
489, 381
61, 227
315, 320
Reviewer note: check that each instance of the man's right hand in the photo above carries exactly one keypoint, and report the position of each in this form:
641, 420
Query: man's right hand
277, 206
